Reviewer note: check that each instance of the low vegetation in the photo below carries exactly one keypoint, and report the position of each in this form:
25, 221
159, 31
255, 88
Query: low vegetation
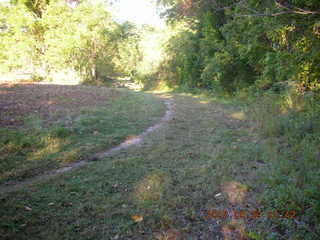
288, 126
46, 126
162, 188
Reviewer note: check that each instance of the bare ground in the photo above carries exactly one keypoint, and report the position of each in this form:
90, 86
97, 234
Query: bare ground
48, 102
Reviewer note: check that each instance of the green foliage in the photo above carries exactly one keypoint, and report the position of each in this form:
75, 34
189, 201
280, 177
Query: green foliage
238, 44
290, 126
82, 42
125, 41
35, 6
17, 43
186, 62
268, 52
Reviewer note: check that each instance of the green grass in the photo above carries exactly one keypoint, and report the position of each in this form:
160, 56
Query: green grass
170, 181
289, 126
30, 150
212, 155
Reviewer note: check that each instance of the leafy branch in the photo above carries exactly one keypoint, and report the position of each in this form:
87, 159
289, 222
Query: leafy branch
289, 9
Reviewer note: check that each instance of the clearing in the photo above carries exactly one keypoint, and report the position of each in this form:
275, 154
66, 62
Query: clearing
45, 127
195, 177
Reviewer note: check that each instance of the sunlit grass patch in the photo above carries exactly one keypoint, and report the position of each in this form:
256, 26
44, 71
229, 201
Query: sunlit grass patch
49, 145
238, 115
235, 192
151, 187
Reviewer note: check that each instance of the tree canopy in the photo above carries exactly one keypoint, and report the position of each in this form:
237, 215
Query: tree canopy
238, 44
47, 37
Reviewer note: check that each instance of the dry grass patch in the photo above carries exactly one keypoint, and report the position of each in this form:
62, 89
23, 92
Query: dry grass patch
50, 103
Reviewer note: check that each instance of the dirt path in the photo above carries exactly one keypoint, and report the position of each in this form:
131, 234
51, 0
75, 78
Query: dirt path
107, 153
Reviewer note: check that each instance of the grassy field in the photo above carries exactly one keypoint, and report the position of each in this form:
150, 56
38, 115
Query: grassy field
44, 127
213, 172
161, 189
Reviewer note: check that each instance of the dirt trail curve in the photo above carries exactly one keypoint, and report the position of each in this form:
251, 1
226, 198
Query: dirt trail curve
107, 153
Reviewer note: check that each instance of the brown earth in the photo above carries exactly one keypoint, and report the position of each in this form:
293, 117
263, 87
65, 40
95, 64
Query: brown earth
48, 102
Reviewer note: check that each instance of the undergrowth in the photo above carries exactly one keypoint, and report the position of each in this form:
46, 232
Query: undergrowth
288, 124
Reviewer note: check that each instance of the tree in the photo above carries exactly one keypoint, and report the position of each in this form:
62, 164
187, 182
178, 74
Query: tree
82, 40
247, 42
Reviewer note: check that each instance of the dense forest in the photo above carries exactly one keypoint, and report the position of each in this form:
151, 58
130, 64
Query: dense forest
262, 56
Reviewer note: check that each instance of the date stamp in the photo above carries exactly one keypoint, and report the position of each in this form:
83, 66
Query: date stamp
248, 214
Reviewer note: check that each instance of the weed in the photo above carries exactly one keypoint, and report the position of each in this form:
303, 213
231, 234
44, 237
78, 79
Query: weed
290, 125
